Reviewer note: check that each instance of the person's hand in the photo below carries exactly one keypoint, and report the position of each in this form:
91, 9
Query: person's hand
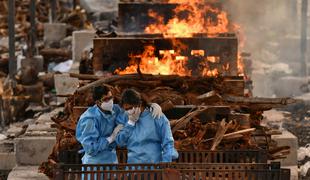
114, 133
133, 115
156, 110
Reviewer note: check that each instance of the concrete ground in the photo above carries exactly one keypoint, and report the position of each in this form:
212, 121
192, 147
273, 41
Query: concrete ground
26, 173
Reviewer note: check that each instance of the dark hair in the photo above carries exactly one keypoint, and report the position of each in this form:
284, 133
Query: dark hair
100, 91
131, 96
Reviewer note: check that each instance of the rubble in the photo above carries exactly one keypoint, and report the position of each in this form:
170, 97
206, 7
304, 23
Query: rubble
2, 137
53, 47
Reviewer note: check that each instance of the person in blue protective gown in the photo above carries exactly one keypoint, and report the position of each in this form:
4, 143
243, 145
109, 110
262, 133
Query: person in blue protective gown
95, 127
98, 126
148, 139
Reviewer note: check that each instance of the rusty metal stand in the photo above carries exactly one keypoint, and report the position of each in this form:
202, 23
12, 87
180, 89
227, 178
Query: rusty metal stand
33, 35
303, 38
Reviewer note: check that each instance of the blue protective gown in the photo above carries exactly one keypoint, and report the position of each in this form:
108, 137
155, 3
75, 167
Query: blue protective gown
149, 140
92, 130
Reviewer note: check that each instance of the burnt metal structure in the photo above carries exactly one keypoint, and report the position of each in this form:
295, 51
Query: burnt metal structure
185, 156
33, 33
134, 16
180, 171
53, 10
111, 53
303, 34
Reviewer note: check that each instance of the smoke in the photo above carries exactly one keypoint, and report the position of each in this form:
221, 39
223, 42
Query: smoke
272, 36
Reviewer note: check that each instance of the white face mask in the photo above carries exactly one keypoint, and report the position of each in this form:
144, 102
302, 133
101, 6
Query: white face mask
107, 106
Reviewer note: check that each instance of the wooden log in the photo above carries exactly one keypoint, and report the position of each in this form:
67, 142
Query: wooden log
173, 122
182, 122
138, 83
199, 136
85, 76
278, 149
242, 119
107, 80
220, 133
233, 134
233, 87
167, 105
257, 100
54, 52
209, 95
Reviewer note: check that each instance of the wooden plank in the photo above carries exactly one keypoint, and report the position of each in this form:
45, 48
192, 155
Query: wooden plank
258, 100
233, 87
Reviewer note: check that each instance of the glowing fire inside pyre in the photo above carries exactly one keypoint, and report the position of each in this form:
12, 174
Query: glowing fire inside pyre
190, 17
170, 63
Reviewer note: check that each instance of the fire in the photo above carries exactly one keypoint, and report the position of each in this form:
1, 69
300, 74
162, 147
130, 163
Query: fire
241, 43
169, 62
195, 20
190, 17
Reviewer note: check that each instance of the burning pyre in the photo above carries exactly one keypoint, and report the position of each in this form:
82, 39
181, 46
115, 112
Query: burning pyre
169, 78
190, 19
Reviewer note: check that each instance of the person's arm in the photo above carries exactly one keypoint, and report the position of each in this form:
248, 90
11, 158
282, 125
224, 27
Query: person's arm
167, 141
88, 135
124, 134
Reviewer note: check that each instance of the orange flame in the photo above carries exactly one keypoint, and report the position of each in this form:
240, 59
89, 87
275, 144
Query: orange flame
169, 63
195, 21
241, 43
190, 17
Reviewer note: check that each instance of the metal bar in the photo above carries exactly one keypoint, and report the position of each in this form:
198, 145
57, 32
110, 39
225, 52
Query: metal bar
53, 10
11, 24
2, 117
303, 43
75, 3
33, 35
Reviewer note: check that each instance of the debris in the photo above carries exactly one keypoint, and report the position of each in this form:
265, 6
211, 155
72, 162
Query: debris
2, 137
63, 67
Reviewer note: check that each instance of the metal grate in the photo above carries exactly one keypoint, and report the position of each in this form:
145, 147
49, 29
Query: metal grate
180, 171
233, 156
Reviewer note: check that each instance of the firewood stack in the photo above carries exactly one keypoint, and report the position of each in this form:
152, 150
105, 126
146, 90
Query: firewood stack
14, 98
22, 17
75, 17
218, 118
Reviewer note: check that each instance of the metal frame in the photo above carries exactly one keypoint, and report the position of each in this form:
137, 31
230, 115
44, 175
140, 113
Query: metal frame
112, 53
172, 171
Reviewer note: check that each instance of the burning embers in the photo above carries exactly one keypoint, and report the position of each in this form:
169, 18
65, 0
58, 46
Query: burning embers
189, 18
170, 62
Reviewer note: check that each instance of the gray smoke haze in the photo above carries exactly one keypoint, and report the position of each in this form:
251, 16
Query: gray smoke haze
272, 32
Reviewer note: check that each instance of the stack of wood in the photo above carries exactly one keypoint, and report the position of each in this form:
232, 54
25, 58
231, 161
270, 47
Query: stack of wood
15, 97
75, 17
22, 22
219, 116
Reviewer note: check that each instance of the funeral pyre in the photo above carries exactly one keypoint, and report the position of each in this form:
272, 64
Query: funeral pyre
187, 62
219, 119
